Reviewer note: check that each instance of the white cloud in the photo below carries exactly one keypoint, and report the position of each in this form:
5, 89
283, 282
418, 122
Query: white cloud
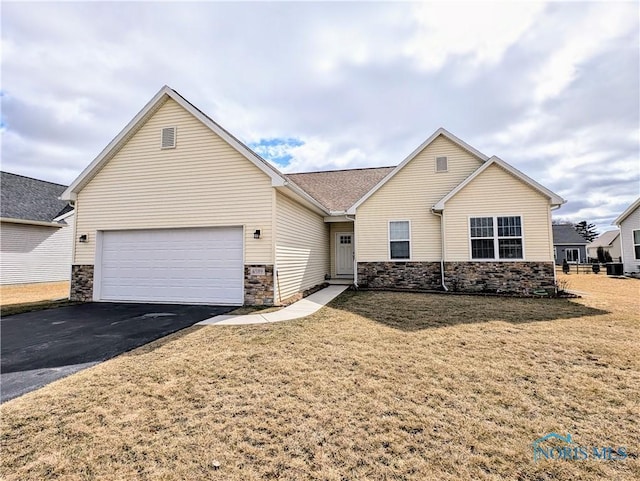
481, 31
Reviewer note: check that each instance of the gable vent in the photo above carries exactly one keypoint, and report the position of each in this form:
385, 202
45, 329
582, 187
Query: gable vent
441, 164
168, 138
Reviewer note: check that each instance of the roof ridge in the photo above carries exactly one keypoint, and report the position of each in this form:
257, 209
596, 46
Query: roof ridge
33, 178
341, 170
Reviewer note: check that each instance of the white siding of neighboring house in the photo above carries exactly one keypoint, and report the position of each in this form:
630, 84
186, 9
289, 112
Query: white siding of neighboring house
614, 250
302, 248
409, 195
495, 192
631, 223
32, 253
203, 182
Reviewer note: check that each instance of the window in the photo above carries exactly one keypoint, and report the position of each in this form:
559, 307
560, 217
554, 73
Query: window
345, 239
399, 239
441, 164
636, 243
572, 255
168, 138
504, 241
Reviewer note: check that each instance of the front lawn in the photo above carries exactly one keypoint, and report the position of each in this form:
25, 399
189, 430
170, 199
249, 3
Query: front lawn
375, 386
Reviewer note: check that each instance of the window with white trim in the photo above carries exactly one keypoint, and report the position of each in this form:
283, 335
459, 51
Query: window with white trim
572, 255
496, 237
636, 244
399, 239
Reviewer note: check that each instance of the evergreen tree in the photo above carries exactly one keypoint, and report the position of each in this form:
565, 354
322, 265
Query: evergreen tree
586, 230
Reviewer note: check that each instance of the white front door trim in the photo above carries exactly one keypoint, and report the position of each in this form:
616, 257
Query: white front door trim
344, 254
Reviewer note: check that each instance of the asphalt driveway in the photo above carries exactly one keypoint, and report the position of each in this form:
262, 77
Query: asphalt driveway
40, 347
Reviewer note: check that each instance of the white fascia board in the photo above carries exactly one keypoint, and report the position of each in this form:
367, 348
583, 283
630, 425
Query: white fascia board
31, 222
554, 199
152, 106
441, 131
64, 216
338, 217
627, 212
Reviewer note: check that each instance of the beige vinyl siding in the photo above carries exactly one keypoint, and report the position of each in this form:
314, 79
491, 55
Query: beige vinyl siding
32, 253
627, 226
334, 228
409, 195
203, 182
495, 192
302, 247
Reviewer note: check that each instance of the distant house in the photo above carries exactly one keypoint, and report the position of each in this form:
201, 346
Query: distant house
568, 244
36, 231
629, 224
609, 241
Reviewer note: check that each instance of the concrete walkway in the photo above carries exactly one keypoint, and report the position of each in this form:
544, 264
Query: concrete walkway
302, 308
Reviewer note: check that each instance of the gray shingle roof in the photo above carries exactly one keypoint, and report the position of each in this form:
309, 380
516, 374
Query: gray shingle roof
30, 199
605, 239
337, 190
566, 234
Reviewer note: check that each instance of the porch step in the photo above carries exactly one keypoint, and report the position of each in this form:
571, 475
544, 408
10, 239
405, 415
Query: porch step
347, 281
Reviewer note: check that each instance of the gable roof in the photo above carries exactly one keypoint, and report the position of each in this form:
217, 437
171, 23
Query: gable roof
567, 234
136, 123
554, 199
629, 210
605, 239
337, 190
29, 199
412, 155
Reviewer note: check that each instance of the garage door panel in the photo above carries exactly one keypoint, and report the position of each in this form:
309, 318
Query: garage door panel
173, 265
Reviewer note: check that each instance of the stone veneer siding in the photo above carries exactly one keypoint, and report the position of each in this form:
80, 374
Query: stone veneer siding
399, 275
81, 283
520, 277
258, 290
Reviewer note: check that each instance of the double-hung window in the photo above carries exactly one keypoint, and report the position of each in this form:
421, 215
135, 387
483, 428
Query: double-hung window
496, 237
399, 240
636, 244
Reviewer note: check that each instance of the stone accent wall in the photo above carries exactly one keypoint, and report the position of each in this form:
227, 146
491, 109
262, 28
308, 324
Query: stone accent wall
301, 295
399, 275
258, 289
81, 283
521, 278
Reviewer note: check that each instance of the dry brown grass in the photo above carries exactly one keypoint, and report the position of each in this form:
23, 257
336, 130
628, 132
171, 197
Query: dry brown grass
377, 386
29, 293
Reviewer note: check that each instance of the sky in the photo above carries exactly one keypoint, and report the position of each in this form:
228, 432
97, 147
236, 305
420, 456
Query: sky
551, 88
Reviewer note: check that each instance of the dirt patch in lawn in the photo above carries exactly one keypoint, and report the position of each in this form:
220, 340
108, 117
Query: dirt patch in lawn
30, 293
353, 393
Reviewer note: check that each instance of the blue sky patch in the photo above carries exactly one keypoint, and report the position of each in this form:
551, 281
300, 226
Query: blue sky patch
276, 149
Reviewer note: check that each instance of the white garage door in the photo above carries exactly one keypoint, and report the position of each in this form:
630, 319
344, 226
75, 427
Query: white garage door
203, 266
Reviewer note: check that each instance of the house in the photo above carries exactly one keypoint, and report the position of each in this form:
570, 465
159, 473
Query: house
36, 231
629, 224
568, 244
609, 241
176, 209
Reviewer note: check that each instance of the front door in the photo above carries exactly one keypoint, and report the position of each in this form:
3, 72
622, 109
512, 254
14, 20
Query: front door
344, 253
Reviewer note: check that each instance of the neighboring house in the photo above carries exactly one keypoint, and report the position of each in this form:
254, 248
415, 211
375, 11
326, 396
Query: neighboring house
36, 231
176, 209
609, 241
568, 244
629, 224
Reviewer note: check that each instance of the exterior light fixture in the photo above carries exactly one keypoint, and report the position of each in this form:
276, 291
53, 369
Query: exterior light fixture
256, 234
83, 238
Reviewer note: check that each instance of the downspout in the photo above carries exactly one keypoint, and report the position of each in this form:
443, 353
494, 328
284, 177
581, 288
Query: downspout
555, 275
355, 262
444, 286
